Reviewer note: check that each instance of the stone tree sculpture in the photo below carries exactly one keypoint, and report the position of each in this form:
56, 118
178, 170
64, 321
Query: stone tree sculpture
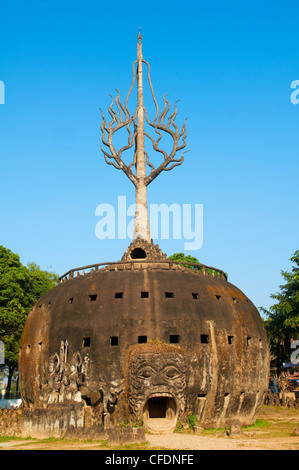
122, 118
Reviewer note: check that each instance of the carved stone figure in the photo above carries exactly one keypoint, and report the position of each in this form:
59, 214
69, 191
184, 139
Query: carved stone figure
154, 375
63, 380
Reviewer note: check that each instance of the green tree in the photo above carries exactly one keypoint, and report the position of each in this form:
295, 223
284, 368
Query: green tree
40, 282
182, 257
20, 287
282, 323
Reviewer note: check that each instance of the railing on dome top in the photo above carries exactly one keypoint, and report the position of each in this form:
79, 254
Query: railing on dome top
197, 267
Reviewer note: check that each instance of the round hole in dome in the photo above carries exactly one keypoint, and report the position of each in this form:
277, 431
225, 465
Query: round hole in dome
138, 253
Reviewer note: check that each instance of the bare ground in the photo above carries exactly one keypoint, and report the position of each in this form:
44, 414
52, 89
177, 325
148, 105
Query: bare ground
273, 431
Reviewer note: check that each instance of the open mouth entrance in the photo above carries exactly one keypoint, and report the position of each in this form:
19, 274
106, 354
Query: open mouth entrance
157, 407
160, 414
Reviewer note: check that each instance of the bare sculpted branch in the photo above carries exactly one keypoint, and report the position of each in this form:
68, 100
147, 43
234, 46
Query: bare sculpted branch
118, 121
163, 124
123, 118
174, 133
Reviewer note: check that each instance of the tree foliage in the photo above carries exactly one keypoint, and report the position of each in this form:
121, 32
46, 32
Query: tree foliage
183, 257
282, 323
20, 287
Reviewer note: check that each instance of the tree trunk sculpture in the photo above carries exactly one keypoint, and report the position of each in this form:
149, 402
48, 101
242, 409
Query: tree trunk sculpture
136, 133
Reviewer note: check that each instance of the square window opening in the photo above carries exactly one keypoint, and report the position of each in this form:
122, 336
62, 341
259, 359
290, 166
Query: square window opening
86, 342
169, 295
93, 297
118, 295
204, 339
142, 339
144, 295
113, 340
195, 295
174, 339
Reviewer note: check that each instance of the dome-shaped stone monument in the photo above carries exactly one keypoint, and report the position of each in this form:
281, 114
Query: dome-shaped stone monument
144, 340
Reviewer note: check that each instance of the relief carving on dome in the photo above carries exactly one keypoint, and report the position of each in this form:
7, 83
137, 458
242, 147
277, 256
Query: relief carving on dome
67, 381
64, 377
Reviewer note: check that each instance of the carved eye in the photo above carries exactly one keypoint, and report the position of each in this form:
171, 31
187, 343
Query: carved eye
172, 373
146, 373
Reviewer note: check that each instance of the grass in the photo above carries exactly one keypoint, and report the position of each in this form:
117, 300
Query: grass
212, 431
259, 423
273, 428
5, 438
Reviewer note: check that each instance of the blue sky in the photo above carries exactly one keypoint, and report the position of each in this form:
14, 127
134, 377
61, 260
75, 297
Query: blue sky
231, 64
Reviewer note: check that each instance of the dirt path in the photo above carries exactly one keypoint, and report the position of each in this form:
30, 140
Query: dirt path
275, 432
167, 441
190, 442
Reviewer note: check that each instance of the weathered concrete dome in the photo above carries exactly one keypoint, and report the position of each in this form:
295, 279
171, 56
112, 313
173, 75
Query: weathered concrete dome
142, 340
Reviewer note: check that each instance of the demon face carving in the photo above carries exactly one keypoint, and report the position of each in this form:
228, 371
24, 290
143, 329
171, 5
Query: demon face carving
156, 374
